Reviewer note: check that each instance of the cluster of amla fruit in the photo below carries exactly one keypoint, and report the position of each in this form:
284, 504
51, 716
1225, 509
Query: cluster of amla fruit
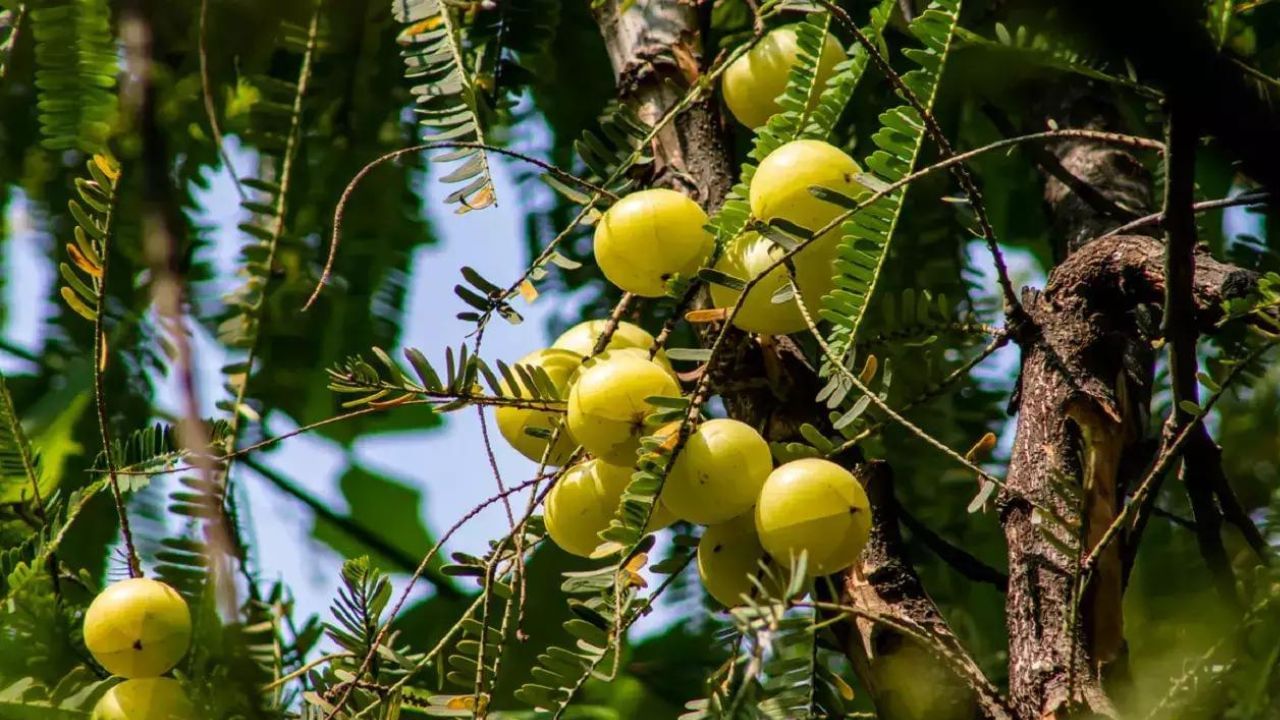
724, 476
649, 237
138, 629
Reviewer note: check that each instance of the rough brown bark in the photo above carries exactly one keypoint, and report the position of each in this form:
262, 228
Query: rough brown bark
1072, 390
907, 679
656, 52
1083, 428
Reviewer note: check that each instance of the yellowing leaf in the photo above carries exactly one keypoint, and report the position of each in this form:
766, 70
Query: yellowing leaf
632, 570
982, 448
708, 315
83, 262
528, 291
480, 200
869, 369
420, 27
74, 301
842, 687
461, 702
637, 563
108, 167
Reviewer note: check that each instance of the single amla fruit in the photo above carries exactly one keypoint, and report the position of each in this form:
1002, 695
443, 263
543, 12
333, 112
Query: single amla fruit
816, 507
649, 236
753, 83
608, 403
581, 339
138, 628
155, 698
584, 500
746, 257
780, 190
560, 365
718, 473
729, 555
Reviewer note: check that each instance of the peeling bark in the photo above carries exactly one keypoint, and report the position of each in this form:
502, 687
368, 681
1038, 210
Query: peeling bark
1071, 387
906, 679
655, 49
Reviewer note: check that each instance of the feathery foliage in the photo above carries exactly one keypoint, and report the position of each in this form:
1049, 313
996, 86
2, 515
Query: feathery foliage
76, 72
445, 97
307, 94
866, 236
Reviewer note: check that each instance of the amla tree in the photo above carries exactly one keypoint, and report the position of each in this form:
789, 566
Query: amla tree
798, 228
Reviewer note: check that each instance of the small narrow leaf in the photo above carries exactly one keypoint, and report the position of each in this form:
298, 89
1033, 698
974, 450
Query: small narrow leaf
717, 277
689, 354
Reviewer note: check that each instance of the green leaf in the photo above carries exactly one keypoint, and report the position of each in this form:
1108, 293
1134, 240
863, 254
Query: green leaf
866, 236
723, 279
689, 354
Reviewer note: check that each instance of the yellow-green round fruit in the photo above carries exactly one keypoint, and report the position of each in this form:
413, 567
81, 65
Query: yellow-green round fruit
649, 236
719, 472
753, 83
584, 500
607, 404
813, 506
138, 628
729, 555
920, 684
780, 190
746, 257
145, 699
581, 339
560, 365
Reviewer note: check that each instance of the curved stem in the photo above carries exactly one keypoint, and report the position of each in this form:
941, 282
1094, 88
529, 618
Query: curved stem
340, 210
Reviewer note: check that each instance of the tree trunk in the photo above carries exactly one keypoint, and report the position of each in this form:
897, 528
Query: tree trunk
906, 678
1071, 428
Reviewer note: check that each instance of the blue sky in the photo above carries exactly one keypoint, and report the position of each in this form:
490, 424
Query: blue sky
447, 464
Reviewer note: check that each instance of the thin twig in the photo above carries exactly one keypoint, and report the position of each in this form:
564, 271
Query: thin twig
880, 403
1163, 460
941, 646
347, 525
1178, 327
1001, 339
206, 89
340, 210
305, 669
1013, 307
1256, 197
99, 390
413, 580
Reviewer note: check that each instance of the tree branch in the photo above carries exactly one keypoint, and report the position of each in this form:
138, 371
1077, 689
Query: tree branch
1175, 52
883, 583
957, 557
1180, 333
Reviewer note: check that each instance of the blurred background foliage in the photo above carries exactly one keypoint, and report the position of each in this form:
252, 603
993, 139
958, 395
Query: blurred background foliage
540, 72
